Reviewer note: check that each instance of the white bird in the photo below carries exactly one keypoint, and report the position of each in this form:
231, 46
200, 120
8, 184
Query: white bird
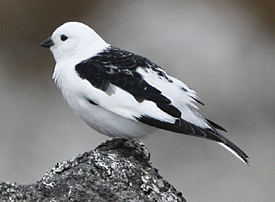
121, 94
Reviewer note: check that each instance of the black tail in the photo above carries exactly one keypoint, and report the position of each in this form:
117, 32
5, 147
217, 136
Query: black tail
234, 149
182, 126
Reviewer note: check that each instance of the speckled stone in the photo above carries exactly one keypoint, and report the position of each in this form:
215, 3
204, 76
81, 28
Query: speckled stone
117, 170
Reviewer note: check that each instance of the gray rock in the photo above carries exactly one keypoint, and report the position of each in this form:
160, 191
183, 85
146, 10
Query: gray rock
117, 170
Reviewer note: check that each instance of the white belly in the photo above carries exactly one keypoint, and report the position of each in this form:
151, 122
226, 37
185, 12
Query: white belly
107, 122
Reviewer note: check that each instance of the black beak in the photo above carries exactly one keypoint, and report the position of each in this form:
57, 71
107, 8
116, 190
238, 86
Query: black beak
47, 43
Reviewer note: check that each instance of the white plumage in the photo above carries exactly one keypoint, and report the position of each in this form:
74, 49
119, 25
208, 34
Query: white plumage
121, 94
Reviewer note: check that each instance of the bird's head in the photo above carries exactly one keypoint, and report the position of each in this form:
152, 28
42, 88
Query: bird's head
74, 39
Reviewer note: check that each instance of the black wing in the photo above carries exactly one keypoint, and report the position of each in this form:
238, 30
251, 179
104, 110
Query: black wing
118, 67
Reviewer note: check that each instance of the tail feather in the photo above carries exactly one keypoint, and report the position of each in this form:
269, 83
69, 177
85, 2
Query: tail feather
185, 127
214, 135
235, 150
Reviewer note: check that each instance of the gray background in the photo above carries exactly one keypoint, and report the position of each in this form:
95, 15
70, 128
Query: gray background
222, 49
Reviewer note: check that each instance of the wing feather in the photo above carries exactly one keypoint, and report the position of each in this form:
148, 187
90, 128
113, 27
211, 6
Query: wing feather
159, 99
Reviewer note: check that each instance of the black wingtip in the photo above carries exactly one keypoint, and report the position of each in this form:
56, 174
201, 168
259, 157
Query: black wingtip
216, 126
197, 100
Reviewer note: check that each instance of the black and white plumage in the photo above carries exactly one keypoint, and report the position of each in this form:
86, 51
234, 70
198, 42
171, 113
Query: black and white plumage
121, 94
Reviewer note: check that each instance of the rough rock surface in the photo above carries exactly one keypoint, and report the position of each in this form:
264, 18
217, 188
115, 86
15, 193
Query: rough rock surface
117, 170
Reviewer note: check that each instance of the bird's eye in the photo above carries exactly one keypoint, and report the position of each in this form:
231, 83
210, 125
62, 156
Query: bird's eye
63, 37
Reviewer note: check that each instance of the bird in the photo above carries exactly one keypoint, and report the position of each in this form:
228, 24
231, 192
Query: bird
122, 94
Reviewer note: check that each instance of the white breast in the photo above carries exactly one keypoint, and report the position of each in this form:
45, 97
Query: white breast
76, 91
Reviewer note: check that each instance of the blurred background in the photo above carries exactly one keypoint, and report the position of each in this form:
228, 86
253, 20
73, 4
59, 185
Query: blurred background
225, 50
